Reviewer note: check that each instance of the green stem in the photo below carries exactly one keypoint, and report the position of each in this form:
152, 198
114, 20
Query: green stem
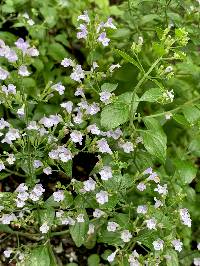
175, 109
146, 75
60, 233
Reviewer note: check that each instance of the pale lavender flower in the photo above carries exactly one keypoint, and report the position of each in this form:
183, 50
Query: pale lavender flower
109, 24
47, 170
23, 71
103, 39
84, 17
67, 106
82, 34
106, 173
3, 74
76, 136
103, 146
105, 97
59, 88
77, 74
185, 217
178, 245
158, 244
112, 226
126, 236
112, 67
66, 62
89, 184
102, 197
58, 196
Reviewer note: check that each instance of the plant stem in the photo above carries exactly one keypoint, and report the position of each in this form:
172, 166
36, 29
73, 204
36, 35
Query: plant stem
132, 115
175, 109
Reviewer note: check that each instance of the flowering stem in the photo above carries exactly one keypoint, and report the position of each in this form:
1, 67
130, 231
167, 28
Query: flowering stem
175, 109
146, 75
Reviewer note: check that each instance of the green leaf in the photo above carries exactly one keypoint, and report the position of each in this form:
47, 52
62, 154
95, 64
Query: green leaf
57, 51
191, 113
47, 215
127, 58
39, 257
5, 228
110, 87
172, 254
185, 170
114, 114
155, 140
67, 167
152, 95
93, 260
79, 231
146, 237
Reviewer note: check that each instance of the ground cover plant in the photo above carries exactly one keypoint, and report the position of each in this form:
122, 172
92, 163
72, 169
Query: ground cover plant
99, 132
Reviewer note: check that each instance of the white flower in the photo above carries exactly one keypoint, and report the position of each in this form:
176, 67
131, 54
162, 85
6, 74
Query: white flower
68, 220
185, 217
93, 129
158, 244
168, 116
21, 188
153, 177
89, 185
103, 39
21, 112
59, 213
82, 34
76, 136
37, 164
158, 203
23, 71
33, 52
103, 146
84, 17
44, 228
2, 166
11, 135
98, 213
78, 73
109, 24
198, 246
177, 244
11, 159
106, 173
141, 186
8, 218
112, 226
79, 92
161, 189
126, 236
37, 192
58, 196
168, 69
168, 95
196, 261
3, 74
112, 67
11, 89
142, 209
80, 218
111, 257
126, 146
67, 106
59, 88
105, 97
47, 170
8, 252
66, 62
91, 229
22, 45
20, 203
102, 197
148, 171
151, 223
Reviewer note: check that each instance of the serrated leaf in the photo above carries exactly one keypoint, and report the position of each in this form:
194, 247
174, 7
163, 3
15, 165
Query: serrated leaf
110, 87
146, 237
155, 140
57, 51
152, 95
191, 113
114, 114
39, 257
186, 170
172, 258
79, 231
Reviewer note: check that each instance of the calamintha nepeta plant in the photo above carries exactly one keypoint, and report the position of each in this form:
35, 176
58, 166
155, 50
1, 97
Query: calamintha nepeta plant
129, 202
